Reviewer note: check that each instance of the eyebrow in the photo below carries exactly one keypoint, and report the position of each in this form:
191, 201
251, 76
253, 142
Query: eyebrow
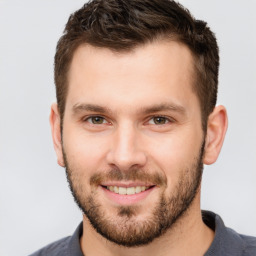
164, 107
90, 107
144, 110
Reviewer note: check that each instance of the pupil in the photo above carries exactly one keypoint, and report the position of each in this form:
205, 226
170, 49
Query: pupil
97, 120
159, 120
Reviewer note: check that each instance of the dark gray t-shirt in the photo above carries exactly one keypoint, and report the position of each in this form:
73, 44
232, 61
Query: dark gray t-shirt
226, 241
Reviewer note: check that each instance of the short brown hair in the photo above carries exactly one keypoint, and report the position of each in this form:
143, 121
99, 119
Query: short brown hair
121, 25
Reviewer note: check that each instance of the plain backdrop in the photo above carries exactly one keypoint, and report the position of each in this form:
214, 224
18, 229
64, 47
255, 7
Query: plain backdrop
35, 203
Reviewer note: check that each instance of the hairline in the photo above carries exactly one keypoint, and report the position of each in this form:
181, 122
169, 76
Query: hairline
164, 37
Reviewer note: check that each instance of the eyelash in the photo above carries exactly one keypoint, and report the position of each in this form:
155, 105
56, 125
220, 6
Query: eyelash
166, 119
91, 117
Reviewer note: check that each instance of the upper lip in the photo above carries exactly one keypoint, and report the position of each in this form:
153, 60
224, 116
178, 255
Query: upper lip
126, 184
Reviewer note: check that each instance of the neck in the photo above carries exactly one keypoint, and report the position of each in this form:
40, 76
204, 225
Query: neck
188, 236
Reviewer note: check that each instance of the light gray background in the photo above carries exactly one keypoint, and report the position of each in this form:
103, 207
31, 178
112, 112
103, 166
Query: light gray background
35, 203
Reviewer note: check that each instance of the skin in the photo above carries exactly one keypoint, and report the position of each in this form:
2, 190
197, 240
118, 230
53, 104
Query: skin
129, 87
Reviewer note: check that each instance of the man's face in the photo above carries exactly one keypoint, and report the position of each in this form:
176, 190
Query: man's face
132, 139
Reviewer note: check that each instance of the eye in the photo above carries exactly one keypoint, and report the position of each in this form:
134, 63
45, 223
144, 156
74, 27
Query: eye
96, 120
159, 120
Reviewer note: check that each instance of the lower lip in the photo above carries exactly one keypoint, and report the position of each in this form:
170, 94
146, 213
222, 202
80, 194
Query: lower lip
127, 199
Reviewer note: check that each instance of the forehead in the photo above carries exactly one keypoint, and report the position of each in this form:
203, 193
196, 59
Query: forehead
159, 71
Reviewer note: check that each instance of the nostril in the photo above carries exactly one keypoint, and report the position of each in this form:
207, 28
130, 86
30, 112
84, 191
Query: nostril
126, 160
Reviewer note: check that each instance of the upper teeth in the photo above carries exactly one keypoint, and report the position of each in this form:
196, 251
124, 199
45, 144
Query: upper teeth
127, 191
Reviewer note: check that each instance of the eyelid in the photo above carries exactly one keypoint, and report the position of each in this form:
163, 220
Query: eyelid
168, 119
86, 118
105, 120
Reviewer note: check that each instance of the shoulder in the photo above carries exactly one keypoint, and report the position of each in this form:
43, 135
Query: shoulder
249, 245
246, 243
67, 246
57, 248
226, 240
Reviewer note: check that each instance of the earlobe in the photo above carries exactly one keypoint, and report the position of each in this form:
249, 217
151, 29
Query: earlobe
216, 130
56, 133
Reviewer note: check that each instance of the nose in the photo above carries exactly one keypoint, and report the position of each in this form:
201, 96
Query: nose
126, 150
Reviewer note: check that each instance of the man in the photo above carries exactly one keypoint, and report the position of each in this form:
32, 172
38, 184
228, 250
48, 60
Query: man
134, 123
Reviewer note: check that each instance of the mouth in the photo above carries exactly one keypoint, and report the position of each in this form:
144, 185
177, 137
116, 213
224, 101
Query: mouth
127, 190
127, 194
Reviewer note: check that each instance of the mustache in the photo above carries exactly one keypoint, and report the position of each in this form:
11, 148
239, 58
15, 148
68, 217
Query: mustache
133, 174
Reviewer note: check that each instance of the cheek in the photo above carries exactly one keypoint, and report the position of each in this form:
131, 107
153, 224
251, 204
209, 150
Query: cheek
85, 153
174, 154
172, 149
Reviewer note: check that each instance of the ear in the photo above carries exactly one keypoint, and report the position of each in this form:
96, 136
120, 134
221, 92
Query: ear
216, 130
56, 133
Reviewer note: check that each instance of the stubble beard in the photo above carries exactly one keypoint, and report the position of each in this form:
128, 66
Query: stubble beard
125, 229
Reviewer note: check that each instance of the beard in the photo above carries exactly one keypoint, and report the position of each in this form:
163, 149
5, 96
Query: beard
125, 228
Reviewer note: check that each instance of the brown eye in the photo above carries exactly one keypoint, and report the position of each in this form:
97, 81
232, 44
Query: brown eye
159, 120
96, 120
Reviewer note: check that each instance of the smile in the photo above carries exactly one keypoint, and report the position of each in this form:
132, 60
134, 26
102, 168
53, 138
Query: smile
127, 191
127, 194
